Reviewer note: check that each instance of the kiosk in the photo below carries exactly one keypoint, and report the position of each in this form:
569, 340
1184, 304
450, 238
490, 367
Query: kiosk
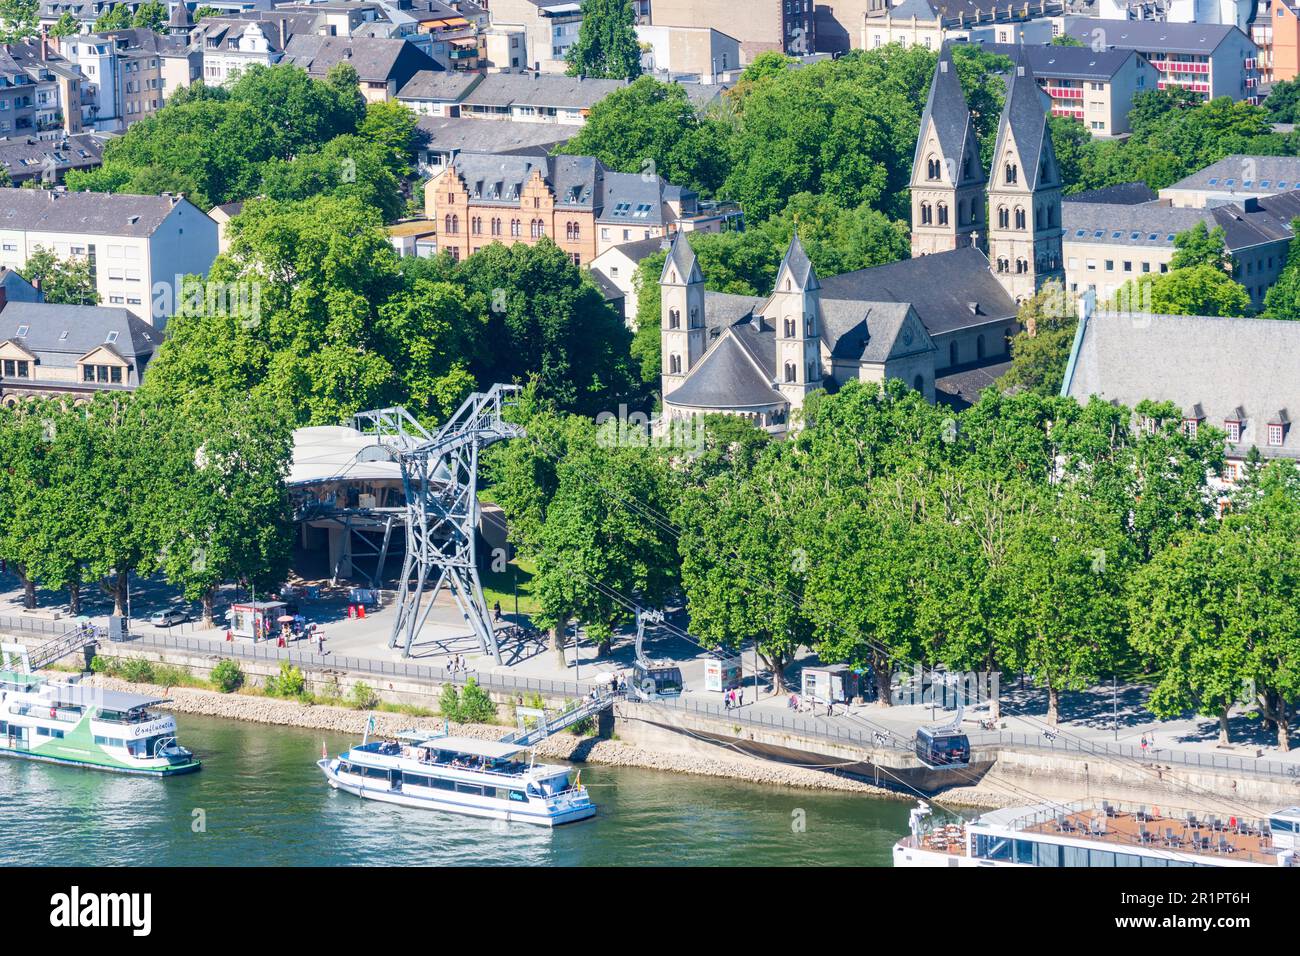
722, 672
256, 619
833, 684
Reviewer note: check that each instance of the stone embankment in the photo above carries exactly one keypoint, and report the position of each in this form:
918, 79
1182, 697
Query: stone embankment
615, 753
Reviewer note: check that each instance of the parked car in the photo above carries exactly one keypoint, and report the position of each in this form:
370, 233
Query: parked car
169, 617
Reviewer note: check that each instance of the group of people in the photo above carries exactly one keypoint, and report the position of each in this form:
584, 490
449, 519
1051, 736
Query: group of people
734, 698
458, 664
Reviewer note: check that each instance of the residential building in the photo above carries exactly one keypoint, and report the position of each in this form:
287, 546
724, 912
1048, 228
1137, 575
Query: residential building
127, 75
550, 27
17, 98
71, 350
1094, 87
505, 47
536, 97
941, 321
1212, 60
1276, 31
231, 44
692, 51
1106, 245
383, 66
58, 82
25, 158
437, 92
1237, 12
1234, 179
222, 215
138, 246
444, 138
931, 23
481, 198
786, 26
14, 288
617, 265
1241, 376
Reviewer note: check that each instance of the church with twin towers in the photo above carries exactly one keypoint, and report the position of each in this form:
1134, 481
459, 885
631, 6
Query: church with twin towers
982, 240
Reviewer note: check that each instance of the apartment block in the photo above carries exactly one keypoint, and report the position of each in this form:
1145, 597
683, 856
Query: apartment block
786, 26
931, 23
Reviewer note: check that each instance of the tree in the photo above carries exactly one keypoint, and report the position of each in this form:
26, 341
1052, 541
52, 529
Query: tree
63, 281
1200, 246
1283, 100
151, 15
116, 17
345, 166
1282, 300
66, 26
391, 128
1198, 290
653, 128
1041, 350
607, 45
19, 19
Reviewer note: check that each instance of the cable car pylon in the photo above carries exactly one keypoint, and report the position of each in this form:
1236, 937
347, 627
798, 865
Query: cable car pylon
440, 481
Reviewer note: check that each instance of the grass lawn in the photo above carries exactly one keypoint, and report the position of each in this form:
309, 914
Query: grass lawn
499, 586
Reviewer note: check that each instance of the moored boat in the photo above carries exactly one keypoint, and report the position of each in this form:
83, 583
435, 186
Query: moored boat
480, 778
68, 722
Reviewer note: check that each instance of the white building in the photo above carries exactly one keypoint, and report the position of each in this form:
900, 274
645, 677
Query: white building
137, 245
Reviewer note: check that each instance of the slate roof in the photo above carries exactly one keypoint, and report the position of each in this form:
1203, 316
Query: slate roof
682, 256
946, 110
545, 89
102, 214
971, 9
86, 327
727, 376
941, 287
1067, 62
438, 85
640, 249
1251, 223
376, 59
800, 266
1120, 194
1219, 364
494, 177
632, 198
454, 134
1154, 36
26, 157
1024, 121
1267, 174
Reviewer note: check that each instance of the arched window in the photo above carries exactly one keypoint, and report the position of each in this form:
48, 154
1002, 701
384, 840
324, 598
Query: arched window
934, 168
577, 230
446, 223
674, 319
790, 373
943, 214
1020, 217
810, 327
674, 364
695, 317
496, 226
1004, 217
927, 214
1011, 174
789, 328
514, 228
918, 383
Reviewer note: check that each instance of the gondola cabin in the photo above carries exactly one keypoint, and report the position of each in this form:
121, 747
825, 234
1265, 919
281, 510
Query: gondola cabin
653, 681
942, 749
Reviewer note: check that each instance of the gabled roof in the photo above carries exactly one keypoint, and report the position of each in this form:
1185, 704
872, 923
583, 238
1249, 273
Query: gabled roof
103, 214
682, 258
1234, 369
1024, 121
544, 89
61, 334
454, 134
798, 264
496, 177
438, 85
1156, 36
1257, 175
1067, 62
376, 59
1120, 194
947, 113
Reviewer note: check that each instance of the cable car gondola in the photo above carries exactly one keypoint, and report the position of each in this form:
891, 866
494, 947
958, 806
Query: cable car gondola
652, 680
942, 748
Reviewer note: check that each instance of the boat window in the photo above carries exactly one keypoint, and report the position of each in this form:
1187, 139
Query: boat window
469, 788
414, 780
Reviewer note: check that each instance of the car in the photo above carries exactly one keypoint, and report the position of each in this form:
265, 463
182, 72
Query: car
169, 617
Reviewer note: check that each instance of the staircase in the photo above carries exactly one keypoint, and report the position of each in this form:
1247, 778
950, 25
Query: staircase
66, 643
587, 707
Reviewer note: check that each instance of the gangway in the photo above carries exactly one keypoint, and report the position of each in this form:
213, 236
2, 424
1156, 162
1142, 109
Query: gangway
74, 639
589, 706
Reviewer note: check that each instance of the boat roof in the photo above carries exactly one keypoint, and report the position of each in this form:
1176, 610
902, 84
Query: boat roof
80, 695
14, 677
492, 749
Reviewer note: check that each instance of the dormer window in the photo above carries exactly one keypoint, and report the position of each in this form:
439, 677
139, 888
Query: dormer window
1276, 433
1233, 428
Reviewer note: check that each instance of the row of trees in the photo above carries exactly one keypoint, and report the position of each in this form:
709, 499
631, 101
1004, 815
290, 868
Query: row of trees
125, 483
1027, 534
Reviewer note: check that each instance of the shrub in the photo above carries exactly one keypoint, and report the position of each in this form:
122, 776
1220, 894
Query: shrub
449, 702
102, 665
476, 707
170, 675
288, 683
227, 676
136, 670
363, 696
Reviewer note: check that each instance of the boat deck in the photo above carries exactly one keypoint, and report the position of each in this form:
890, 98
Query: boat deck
1239, 839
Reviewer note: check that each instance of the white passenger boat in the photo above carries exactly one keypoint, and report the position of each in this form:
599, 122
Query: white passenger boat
1101, 835
73, 723
480, 778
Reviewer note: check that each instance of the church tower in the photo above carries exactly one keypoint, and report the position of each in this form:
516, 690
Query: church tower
796, 309
1024, 240
681, 319
947, 176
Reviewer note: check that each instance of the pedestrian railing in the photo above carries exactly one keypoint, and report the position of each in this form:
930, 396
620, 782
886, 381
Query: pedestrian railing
34, 625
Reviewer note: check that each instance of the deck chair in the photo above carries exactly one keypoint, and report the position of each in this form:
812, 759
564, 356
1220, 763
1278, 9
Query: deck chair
1198, 841
1225, 846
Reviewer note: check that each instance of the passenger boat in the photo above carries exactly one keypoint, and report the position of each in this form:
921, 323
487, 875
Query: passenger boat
73, 723
1101, 835
479, 778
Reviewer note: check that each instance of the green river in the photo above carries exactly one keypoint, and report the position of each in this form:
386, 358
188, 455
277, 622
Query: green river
261, 800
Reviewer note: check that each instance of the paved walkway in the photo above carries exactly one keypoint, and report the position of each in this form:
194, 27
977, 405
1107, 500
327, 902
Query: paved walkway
1088, 718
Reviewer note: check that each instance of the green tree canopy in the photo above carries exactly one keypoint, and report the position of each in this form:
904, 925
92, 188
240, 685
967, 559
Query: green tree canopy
607, 45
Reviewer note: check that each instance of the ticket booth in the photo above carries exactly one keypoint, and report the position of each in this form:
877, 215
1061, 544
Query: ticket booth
256, 619
835, 684
722, 672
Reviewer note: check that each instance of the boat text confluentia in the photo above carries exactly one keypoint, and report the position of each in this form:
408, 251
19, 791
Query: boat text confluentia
480, 778
73, 723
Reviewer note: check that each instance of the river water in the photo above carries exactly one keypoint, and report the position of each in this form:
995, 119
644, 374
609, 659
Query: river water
261, 800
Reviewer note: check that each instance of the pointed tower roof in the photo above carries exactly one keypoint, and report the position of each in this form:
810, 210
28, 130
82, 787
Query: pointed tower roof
682, 258
800, 266
947, 112
1024, 120
180, 16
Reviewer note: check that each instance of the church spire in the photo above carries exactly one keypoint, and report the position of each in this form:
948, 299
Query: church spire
797, 266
